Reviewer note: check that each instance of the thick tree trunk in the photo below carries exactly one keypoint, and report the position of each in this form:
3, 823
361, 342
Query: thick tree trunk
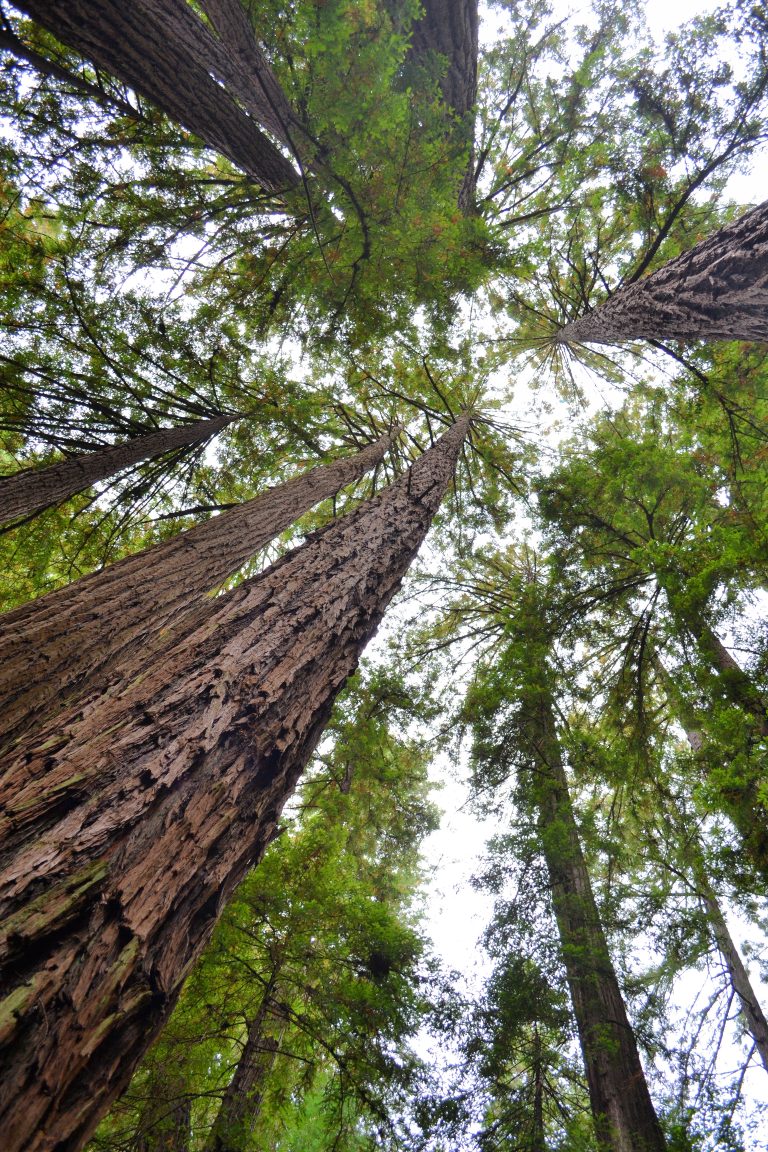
164, 51
449, 29
62, 643
716, 291
242, 1100
134, 818
248, 71
33, 489
625, 1119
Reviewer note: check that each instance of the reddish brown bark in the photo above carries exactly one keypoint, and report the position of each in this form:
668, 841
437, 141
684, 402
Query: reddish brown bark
716, 291
163, 50
61, 643
625, 1119
135, 817
33, 489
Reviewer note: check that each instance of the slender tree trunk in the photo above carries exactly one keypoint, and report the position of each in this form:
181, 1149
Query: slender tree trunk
163, 50
242, 1100
538, 1136
716, 291
135, 817
33, 489
170, 1131
751, 1010
625, 1119
736, 685
62, 643
741, 797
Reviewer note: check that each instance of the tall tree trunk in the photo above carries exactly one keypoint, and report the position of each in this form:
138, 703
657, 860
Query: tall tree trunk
538, 1135
752, 1012
136, 816
449, 29
242, 1100
169, 1130
163, 50
249, 71
716, 291
741, 798
33, 489
625, 1119
738, 977
63, 642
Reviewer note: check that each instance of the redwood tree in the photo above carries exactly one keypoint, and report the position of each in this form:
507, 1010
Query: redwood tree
625, 1119
32, 489
61, 642
718, 290
136, 816
448, 30
511, 708
163, 50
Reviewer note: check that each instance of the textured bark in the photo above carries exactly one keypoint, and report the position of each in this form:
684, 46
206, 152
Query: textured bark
449, 28
716, 291
61, 643
33, 489
135, 817
625, 1119
163, 50
248, 70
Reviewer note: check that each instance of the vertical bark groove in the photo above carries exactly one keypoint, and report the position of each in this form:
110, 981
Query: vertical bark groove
174, 786
163, 50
